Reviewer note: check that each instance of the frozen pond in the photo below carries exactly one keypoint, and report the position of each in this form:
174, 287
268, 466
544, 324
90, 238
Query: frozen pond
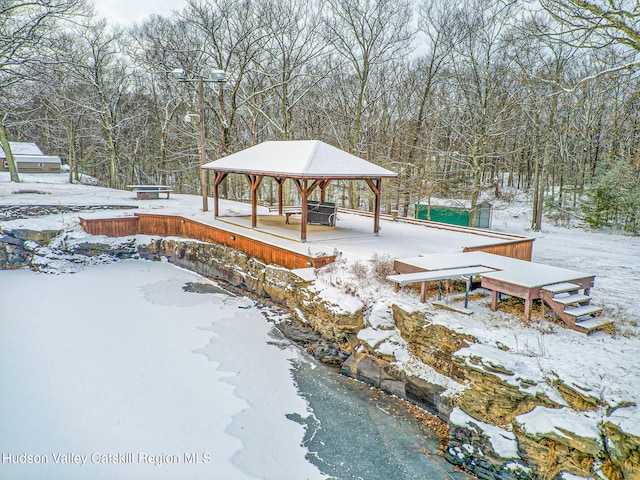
133, 370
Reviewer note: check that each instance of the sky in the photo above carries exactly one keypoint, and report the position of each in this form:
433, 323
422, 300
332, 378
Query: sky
127, 12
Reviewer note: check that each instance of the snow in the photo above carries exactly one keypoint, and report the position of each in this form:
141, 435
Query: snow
519, 272
537, 353
375, 337
380, 317
515, 466
118, 359
22, 148
504, 443
543, 420
570, 476
301, 158
411, 365
338, 301
522, 372
627, 419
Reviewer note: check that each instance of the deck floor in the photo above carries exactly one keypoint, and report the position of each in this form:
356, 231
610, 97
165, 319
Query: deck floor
510, 270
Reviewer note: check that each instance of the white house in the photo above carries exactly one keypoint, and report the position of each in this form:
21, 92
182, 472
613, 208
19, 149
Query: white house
30, 159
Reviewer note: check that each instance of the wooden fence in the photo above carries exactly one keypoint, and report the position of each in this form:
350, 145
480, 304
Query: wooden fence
177, 226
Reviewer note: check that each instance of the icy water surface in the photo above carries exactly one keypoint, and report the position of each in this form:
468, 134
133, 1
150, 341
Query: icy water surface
121, 363
358, 433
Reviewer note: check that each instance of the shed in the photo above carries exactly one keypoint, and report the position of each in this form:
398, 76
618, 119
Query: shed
30, 159
308, 163
455, 215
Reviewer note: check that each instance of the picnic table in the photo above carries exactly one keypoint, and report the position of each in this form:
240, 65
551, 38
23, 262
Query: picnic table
465, 273
150, 192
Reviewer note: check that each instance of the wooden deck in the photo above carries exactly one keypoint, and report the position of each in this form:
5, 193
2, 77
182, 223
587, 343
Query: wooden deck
499, 243
507, 283
510, 276
178, 226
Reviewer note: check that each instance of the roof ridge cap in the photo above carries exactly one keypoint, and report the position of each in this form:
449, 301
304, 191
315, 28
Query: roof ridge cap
312, 153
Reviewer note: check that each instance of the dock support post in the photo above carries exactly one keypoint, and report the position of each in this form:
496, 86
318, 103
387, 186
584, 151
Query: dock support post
466, 294
494, 300
423, 292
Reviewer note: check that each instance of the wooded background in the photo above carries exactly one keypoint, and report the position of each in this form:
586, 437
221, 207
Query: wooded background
482, 97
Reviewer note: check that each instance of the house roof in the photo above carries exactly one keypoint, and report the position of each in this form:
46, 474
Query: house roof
298, 159
22, 148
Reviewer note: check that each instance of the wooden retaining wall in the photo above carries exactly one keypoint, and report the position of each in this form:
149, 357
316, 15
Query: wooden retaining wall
519, 249
177, 226
111, 227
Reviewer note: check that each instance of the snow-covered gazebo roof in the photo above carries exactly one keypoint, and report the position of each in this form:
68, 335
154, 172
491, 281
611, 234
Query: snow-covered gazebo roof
309, 163
299, 159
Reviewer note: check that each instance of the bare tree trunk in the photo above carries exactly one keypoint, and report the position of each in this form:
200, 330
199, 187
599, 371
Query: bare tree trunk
11, 161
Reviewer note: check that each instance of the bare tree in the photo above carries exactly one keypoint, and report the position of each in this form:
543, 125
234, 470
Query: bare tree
23, 27
157, 46
290, 67
594, 24
96, 60
481, 118
367, 35
232, 37
437, 27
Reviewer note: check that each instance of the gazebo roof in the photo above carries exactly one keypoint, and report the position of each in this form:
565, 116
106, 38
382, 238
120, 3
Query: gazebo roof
299, 159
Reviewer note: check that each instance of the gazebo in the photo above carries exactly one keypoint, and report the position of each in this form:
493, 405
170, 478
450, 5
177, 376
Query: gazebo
308, 163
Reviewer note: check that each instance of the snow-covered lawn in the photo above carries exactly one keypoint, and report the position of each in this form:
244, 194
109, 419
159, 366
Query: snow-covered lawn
118, 359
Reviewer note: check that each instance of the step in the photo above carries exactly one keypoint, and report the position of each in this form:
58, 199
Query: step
592, 324
562, 287
581, 311
569, 299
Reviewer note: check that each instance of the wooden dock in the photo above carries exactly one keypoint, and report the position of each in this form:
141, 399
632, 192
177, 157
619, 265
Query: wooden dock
566, 291
178, 226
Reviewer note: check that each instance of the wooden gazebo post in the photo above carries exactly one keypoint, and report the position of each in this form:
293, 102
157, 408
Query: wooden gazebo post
305, 190
323, 188
254, 183
375, 185
279, 181
218, 178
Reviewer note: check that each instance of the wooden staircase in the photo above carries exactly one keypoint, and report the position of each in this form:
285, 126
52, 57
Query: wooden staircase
572, 304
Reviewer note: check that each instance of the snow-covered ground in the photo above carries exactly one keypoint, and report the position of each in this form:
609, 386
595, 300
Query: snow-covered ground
116, 372
601, 365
